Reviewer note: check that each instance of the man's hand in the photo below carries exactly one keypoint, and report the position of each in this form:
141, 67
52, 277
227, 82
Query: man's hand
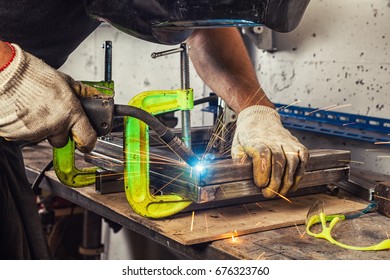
279, 159
38, 102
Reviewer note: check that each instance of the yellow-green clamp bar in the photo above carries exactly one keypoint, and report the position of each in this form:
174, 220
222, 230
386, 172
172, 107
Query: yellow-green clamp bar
136, 153
64, 158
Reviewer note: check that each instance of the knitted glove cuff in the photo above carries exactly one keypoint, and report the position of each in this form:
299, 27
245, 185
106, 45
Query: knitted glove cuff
259, 112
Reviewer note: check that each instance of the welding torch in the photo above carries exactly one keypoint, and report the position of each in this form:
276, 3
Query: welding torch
163, 132
101, 110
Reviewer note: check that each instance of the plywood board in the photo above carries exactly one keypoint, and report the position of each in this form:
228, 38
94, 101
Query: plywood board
215, 224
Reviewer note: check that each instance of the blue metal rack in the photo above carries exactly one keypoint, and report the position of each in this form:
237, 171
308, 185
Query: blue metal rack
357, 127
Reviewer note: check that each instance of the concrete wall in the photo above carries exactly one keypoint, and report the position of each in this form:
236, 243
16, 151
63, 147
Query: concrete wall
338, 55
133, 70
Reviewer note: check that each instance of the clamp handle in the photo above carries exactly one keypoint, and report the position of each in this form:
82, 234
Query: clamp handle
136, 154
100, 111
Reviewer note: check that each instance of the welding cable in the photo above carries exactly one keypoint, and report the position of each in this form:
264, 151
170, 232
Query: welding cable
165, 133
40, 176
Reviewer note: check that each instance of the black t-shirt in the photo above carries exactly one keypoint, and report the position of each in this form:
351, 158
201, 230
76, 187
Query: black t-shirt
50, 30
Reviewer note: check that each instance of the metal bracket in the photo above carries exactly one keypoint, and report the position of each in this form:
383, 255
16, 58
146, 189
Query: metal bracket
260, 36
369, 129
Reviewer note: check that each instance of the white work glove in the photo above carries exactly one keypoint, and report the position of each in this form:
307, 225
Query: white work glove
38, 102
279, 159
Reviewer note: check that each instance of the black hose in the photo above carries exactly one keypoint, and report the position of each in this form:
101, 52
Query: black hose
165, 133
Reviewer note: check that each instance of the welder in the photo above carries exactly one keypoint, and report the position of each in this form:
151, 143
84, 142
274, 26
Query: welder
38, 102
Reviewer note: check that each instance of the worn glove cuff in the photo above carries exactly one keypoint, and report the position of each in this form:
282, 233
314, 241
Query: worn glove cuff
259, 112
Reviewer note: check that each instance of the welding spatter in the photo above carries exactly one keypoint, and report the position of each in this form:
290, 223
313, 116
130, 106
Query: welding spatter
164, 133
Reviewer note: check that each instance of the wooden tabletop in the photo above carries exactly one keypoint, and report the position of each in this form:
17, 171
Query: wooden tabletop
253, 231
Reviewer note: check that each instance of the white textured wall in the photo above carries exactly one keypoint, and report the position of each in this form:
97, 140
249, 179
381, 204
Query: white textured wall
133, 70
338, 55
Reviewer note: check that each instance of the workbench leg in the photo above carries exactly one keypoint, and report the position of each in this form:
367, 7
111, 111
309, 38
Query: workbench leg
91, 247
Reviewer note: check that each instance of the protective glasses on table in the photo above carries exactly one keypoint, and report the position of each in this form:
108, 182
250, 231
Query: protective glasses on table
320, 225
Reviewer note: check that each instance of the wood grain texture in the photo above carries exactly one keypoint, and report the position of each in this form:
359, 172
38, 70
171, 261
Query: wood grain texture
220, 223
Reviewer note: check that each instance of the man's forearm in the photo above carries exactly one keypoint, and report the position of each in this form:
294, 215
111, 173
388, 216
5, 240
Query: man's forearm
223, 63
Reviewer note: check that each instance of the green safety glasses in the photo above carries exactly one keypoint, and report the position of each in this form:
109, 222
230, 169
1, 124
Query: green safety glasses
320, 225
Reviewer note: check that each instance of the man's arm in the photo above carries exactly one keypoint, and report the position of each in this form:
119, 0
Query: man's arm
39, 102
222, 61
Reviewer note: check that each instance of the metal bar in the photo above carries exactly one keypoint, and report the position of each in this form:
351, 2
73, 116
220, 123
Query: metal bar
164, 53
91, 245
226, 176
228, 170
243, 188
108, 61
185, 84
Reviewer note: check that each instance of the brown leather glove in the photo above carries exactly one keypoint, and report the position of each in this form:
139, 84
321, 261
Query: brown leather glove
279, 159
38, 102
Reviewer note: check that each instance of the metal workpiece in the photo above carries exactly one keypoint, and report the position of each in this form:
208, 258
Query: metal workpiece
244, 190
227, 170
220, 181
382, 197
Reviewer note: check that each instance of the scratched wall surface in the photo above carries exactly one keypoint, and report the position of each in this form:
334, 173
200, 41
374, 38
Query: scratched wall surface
133, 70
338, 55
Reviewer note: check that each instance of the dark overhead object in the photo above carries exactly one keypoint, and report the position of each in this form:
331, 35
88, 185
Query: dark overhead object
171, 22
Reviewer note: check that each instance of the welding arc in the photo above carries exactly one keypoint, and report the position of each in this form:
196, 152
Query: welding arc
165, 133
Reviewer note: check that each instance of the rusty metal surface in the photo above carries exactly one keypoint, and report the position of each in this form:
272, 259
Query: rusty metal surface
222, 180
382, 197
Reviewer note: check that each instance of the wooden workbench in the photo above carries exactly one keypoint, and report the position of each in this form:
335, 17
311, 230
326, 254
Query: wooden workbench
285, 242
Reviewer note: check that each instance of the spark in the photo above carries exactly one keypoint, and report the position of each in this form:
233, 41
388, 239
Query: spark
224, 194
205, 220
291, 104
381, 197
219, 137
243, 159
381, 143
192, 220
351, 161
259, 205
281, 165
282, 196
376, 150
258, 223
328, 108
252, 96
160, 189
246, 208
235, 236
345, 124
260, 256
300, 233
263, 164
